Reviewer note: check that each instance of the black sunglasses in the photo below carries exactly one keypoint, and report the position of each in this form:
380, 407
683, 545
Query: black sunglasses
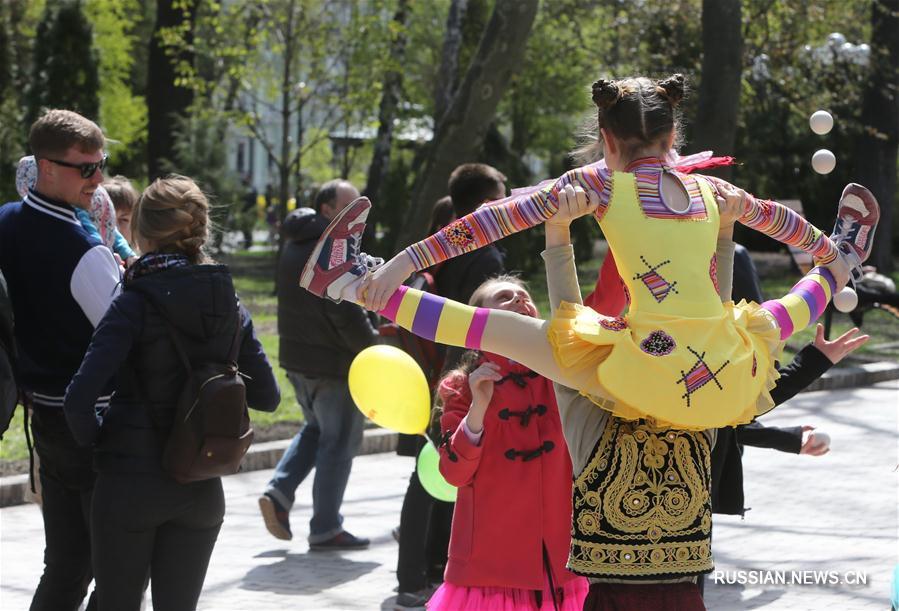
87, 169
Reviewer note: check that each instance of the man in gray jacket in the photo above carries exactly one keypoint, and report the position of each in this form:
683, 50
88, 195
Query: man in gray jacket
318, 341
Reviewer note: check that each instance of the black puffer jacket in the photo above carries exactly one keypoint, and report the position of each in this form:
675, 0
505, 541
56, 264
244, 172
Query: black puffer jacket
134, 343
318, 337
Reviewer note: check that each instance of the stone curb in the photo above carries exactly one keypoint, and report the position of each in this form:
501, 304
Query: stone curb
266, 455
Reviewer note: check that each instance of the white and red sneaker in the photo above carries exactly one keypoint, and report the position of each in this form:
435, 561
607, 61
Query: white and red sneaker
853, 232
337, 262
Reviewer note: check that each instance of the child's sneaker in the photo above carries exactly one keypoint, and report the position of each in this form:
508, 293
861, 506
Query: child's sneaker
337, 262
853, 232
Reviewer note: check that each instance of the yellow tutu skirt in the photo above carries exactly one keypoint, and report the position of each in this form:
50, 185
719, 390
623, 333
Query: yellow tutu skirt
683, 373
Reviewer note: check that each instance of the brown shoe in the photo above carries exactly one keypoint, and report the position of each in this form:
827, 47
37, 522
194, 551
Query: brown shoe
341, 541
277, 519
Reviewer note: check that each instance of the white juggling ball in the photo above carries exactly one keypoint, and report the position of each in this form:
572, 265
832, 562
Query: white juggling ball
821, 439
845, 300
823, 161
821, 122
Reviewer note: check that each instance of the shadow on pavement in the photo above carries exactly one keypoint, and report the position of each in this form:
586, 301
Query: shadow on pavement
304, 574
721, 597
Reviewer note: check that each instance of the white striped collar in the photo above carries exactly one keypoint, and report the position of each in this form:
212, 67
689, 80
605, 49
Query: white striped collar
57, 210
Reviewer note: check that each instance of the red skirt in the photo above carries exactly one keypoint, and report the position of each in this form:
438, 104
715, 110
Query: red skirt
644, 597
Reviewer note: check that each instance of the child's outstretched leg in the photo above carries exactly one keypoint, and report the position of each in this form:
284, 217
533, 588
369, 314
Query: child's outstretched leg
853, 238
515, 336
335, 271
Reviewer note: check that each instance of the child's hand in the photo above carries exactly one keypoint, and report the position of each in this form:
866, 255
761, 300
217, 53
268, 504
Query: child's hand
812, 444
731, 204
836, 349
376, 289
481, 382
574, 203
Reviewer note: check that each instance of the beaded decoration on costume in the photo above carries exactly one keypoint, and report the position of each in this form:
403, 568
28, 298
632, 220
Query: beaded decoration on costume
713, 272
641, 507
700, 375
658, 343
655, 282
459, 233
613, 324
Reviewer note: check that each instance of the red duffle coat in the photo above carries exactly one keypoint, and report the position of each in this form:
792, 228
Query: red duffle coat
514, 497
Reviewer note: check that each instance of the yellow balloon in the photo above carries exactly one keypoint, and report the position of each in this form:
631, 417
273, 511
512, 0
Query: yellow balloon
389, 387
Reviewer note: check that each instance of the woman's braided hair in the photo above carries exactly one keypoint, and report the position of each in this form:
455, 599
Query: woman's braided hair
173, 212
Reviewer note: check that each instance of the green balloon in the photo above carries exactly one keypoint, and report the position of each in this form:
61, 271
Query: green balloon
429, 475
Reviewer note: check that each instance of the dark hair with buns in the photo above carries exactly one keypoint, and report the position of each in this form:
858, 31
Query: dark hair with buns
639, 112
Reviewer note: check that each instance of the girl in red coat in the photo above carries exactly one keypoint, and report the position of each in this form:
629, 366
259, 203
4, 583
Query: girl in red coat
503, 448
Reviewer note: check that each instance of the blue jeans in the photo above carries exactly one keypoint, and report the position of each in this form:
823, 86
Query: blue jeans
328, 441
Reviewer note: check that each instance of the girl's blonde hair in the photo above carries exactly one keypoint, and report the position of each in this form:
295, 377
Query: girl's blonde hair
173, 212
469, 360
479, 297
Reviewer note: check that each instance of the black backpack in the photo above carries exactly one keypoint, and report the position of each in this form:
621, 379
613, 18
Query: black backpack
211, 431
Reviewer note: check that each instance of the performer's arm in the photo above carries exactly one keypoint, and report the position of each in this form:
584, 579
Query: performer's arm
523, 209
783, 224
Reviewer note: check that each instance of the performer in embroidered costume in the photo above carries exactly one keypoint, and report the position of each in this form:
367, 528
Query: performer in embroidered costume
504, 449
642, 509
662, 226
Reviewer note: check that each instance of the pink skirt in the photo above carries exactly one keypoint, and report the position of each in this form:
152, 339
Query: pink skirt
449, 597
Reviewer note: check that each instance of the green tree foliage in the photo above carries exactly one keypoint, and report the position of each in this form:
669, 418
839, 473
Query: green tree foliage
65, 66
18, 20
123, 113
293, 74
199, 154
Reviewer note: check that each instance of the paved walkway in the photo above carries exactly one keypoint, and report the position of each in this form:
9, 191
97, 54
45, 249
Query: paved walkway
835, 513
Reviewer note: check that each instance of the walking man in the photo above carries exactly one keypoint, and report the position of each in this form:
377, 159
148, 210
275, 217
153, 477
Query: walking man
318, 341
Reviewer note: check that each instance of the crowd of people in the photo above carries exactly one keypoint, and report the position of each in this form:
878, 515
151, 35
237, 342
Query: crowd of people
578, 488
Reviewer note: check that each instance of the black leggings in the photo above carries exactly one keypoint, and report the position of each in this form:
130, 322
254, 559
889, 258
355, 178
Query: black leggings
148, 524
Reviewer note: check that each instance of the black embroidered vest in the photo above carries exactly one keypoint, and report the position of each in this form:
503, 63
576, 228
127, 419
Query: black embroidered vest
641, 506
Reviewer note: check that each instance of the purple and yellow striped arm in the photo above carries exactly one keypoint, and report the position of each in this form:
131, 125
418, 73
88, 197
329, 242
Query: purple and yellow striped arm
436, 318
805, 302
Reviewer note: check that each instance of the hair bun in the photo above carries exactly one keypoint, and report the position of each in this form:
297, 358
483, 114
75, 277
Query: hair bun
672, 88
605, 93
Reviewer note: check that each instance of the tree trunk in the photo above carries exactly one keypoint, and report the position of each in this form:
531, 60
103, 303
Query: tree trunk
449, 58
165, 100
460, 133
876, 150
393, 82
719, 90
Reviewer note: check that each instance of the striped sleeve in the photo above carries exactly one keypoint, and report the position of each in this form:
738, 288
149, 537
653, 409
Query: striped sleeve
785, 225
523, 209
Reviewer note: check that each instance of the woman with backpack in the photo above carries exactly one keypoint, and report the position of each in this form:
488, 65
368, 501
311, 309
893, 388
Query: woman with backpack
177, 319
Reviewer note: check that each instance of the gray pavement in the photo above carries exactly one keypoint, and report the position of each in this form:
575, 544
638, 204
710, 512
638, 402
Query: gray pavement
836, 513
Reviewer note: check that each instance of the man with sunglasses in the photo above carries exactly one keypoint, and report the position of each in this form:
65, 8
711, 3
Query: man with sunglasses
61, 282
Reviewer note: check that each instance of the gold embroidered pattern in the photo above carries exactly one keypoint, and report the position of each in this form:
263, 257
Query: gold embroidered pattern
642, 505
